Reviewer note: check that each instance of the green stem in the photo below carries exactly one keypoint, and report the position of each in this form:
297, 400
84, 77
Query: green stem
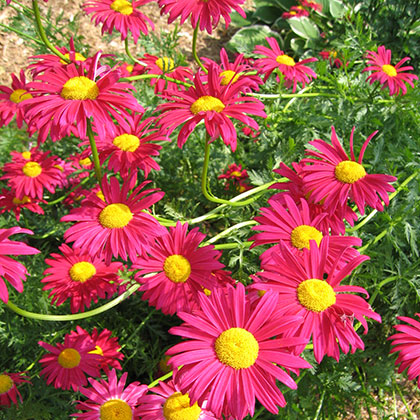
321, 401
194, 48
94, 149
127, 50
379, 286
234, 245
228, 230
162, 378
403, 399
42, 33
88, 314
154, 76
21, 34
63, 197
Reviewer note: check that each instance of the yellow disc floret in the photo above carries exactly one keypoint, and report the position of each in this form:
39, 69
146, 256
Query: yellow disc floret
32, 169
100, 195
177, 407
97, 350
122, 6
316, 295
227, 76
286, 60
389, 70
82, 271
77, 57
237, 348
115, 215
207, 103
24, 200
6, 383
301, 235
19, 95
85, 161
349, 171
80, 88
69, 358
177, 268
26, 155
165, 64
127, 142
115, 410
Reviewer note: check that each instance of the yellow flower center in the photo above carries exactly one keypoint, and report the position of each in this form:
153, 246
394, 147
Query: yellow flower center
130, 68
26, 155
59, 167
19, 95
177, 407
127, 142
115, 410
82, 271
97, 350
25, 200
85, 161
261, 293
227, 76
389, 70
122, 6
207, 292
349, 171
207, 103
69, 358
236, 173
286, 60
100, 195
32, 169
237, 348
302, 234
177, 268
77, 57
115, 215
165, 64
80, 88
316, 295
6, 383
292, 12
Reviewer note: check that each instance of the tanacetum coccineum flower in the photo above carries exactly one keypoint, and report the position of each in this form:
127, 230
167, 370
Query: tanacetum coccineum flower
407, 343
121, 15
393, 77
8, 390
327, 307
229, 352
208, 12
80, 277
9, 202
68, 364
213, 103
117, 226
294, 72
11, 270
295, 12
110, 399
66, 96
332, 177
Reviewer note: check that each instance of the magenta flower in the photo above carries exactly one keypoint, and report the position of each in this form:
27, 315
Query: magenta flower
8, 389
9, 202
295, 12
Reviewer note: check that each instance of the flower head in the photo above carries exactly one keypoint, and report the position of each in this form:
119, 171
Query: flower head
9, 202
237, 177
8, 387
295, 12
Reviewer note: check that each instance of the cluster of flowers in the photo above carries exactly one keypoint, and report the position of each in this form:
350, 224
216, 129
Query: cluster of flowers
302, 10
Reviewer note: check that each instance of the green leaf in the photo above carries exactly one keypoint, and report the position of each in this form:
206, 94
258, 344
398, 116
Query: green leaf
268, 14
337, 8
238, 20
304, 27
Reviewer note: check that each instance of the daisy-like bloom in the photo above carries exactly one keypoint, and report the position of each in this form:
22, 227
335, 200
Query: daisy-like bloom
8, 387
11, 100
65, 97
331, 56
29, 177
237, 177
9, 202
183, 270
68, 363
407, 343
11, 270
117, 226
208, 12
328, 308
121, 15
311, 5
334, 177
79, 277
230, 358
295, 12
294, 72
393, 77
110, 399
128, 69
166, 402
212, 103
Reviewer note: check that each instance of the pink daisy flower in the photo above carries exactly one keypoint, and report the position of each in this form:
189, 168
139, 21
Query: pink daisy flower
8, 389
110, 399
66, 365
166, 402
11, 270
128, 69
65, 97
121, 15
333, 177
11, 100
212, 103
237, 177
295, 12
311, 5
9, 202
393, 77
331, 56
207, 13
327, 307
118, 226
407, 343
183, 269
294, 72
230, 358
29, 177
79, 277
